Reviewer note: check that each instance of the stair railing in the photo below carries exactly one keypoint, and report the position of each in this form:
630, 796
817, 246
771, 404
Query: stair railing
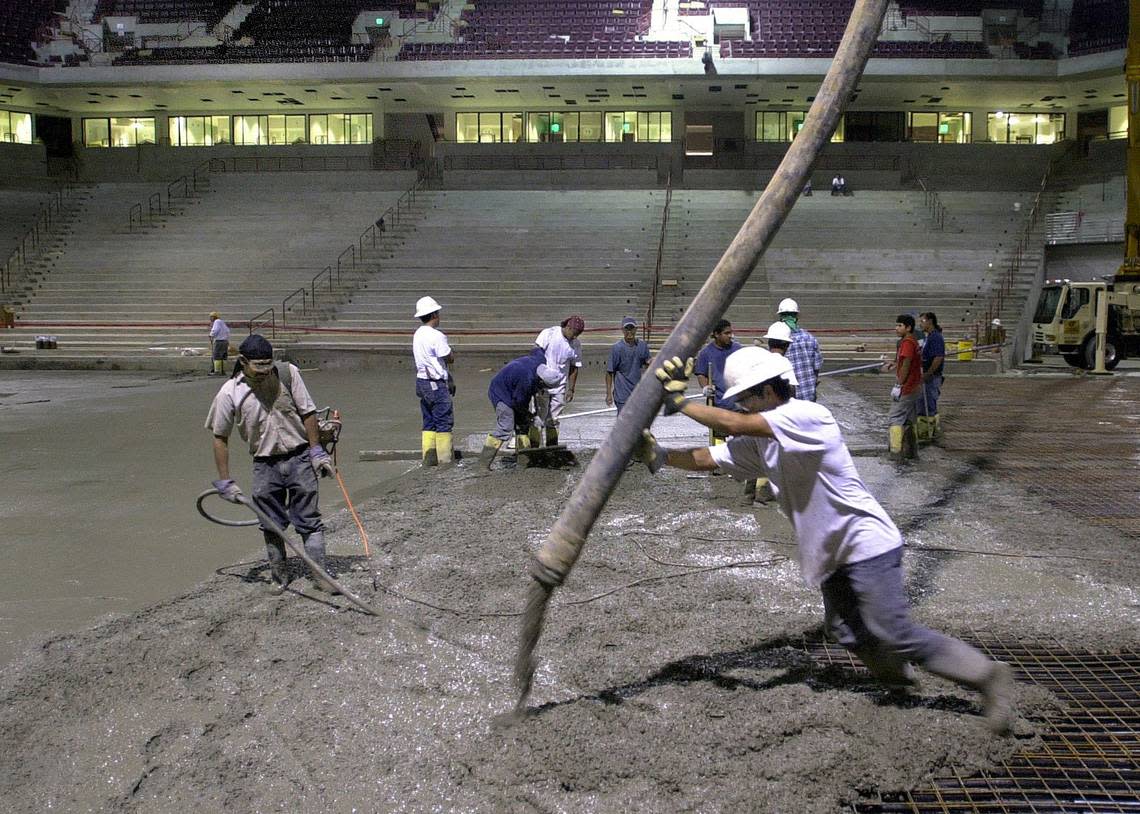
32, 239
648, 331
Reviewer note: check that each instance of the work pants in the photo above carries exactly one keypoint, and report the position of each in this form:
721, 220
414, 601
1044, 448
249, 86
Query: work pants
931, 391
508, 423
221, 350
902, 412
285, 488
550, 405
435, 405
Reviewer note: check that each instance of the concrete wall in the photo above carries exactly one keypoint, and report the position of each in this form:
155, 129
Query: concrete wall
154, 162
22, 162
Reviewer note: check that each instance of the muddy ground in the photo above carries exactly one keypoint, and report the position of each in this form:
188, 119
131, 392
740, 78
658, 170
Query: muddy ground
690, 693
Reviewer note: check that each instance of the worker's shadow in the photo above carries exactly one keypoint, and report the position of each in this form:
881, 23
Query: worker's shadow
252, 572
785, 656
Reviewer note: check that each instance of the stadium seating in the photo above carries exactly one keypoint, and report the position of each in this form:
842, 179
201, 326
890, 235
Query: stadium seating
240, 249
21, 23
553, 29
165, 11
1098, 25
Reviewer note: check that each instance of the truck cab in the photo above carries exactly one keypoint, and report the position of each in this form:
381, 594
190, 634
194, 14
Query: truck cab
1065, 321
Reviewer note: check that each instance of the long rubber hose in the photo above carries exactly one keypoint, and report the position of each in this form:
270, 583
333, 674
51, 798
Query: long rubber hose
553, 562
267, 522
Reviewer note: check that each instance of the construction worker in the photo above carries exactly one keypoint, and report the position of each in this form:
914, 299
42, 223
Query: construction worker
434, 383
903, 441
276, 416
848, 546
710, 362
779, 338
511, 391
629, 357
803, 353
219, 344
563, 352
933, 358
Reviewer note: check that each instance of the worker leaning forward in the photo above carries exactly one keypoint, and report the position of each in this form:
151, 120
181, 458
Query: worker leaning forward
848, 546
276, 416
511, 391
434, 383
563, 352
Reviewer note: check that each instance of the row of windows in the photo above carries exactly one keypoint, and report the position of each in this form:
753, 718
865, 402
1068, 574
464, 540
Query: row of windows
15, 127
206, 131
587, 126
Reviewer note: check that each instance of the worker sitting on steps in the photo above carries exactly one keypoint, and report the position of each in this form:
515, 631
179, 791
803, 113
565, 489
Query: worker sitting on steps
434, 383
275, 414
511, 392
848, 546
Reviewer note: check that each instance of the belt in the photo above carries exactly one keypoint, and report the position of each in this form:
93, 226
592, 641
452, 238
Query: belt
281, 455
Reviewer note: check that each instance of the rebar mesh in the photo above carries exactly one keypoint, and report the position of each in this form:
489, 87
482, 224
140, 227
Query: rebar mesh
1089, 757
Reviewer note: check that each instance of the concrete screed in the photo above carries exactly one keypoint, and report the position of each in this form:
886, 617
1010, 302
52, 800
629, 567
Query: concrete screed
690, 693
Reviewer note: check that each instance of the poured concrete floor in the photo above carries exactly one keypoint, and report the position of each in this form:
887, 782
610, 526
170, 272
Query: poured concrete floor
691, 692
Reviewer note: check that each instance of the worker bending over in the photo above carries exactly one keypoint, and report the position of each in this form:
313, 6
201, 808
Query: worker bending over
848, 545
563, 351
511, 392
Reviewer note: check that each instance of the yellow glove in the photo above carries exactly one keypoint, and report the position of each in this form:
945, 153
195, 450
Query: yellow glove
649, 452
674, 378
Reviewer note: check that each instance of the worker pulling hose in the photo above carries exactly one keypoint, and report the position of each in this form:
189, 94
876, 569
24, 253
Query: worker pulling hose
553, 562
267, 522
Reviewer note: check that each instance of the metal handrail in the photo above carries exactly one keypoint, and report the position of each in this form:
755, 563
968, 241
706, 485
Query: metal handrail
304, 303
45, 221
934, 204
256, 322
131, 216
153, 204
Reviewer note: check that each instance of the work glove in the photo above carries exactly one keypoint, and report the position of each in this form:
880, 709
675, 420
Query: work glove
649, 452
896, 392
674, 378
321, 462
228, 490
710, 391
451, 385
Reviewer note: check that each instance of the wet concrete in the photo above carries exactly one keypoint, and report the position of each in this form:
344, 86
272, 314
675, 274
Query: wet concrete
686, 692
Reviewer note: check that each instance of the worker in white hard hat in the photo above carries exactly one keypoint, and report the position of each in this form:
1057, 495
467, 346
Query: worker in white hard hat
848, 546
803, 353
434, 383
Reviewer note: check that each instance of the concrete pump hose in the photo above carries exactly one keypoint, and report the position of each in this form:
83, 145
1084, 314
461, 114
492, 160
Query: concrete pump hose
267, 523
551, 565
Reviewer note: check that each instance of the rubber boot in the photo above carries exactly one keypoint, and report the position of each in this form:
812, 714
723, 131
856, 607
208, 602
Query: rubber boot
896, 443
443, 447
523, 442
935, 427
427, 444
910, 443
749, 492
552, 436
534, 434
315, 548
923, 425
993, 679
218, 369
490, 450
278, 569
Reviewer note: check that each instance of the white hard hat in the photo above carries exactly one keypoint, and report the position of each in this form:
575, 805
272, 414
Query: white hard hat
751, 366
550, 376
426, 305
788, 306
780, 332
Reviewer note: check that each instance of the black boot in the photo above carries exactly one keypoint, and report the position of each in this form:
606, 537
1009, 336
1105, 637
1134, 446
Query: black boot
278, 567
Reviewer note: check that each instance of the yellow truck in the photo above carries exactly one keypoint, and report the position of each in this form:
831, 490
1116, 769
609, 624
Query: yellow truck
1065, 321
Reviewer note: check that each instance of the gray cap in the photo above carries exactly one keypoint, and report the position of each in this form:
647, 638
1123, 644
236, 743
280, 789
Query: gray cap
629, 322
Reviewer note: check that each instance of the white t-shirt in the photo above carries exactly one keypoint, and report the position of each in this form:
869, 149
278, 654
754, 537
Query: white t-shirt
836, 519
560, 352
429, 347
219, 330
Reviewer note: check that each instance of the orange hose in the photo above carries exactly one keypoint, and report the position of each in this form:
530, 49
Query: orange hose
352, 509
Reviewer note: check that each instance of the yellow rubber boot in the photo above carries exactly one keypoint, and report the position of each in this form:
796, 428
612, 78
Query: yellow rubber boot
490, 450
936, 427
427, 444
522, 442
443, 447
910, 442
551, 437
534, 434
218, 367
924, 425
896, 442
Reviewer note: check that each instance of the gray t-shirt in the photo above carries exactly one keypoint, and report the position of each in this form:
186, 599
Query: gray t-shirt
626, 364
273, 428
836, 518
